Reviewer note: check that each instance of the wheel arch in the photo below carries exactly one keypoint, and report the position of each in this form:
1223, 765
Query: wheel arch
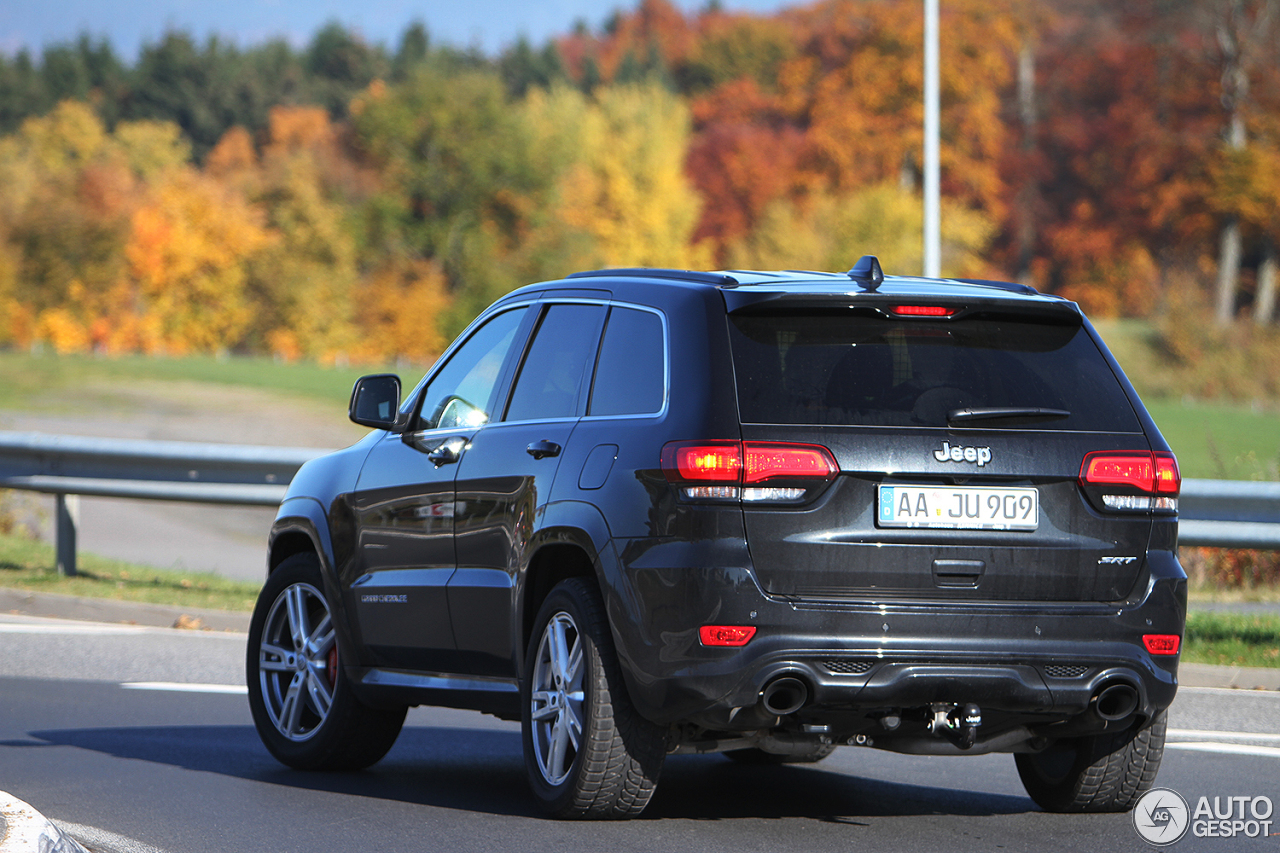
301, 525
553, 562
573, 540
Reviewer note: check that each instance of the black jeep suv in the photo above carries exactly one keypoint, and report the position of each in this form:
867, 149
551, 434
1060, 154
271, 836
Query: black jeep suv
764, 513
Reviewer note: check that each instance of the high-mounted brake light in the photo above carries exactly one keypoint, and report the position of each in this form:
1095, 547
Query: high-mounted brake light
1118, 471
718, 470
923, 311
1162, 644
726, 635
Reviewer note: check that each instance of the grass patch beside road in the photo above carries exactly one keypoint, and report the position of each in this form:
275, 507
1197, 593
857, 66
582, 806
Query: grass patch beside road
1220, 441
1232, 639
29, 565
31, 377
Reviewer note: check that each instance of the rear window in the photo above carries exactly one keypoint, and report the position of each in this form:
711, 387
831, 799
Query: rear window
854, 369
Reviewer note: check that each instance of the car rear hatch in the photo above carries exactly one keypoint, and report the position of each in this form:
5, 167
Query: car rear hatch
959, 424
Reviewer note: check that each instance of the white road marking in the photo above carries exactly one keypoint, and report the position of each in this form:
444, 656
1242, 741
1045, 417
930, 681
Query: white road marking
1228, 749
70, 628
1226, 737
42, 625
180, 687
1231, 691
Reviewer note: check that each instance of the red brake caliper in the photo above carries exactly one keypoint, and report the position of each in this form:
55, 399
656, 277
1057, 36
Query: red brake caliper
332, 668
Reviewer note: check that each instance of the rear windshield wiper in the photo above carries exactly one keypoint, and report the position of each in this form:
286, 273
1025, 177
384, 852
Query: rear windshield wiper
1021, 414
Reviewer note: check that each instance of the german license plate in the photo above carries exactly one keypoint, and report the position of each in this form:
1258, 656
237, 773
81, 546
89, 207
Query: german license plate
963, 508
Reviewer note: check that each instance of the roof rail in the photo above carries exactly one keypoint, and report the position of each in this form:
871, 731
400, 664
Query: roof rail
716, 278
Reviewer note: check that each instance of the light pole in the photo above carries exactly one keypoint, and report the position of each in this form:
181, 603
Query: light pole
932, 202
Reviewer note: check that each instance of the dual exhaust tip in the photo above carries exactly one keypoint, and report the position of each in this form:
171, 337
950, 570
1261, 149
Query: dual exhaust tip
787, 694
1115, 701
784, 695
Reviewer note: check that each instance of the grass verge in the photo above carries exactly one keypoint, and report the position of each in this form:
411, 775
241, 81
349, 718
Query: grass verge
29, 565
30, 377
1232, 639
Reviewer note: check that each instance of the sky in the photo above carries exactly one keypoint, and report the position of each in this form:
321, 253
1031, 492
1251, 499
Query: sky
490, 25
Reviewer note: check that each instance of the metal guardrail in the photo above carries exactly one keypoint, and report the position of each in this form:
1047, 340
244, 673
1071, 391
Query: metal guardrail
1229, 514
66, 466
1216, 513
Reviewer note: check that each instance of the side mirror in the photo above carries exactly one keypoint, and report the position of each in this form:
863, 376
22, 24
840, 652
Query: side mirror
375, 401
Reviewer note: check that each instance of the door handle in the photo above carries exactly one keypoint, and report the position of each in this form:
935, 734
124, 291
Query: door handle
541, 449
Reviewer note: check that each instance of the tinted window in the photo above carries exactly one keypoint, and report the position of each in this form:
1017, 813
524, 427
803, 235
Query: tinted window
461, 394
854, 369
556, 365
631, 374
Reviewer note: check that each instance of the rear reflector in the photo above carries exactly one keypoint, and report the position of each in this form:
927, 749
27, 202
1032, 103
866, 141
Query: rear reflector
1162, 644
726, 635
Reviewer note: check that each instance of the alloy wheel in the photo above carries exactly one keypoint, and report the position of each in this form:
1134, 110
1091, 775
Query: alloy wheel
558, 698
297, 662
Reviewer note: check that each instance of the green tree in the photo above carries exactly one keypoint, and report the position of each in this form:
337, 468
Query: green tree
458, 184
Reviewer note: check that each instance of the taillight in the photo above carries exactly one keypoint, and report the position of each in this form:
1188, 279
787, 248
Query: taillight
726, 635
1168, 480
1128, 480
715, 462
923, 311
1162, 644
767, 461
755, 471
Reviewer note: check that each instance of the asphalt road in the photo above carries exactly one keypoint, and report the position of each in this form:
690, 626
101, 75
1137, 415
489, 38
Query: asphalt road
170, 770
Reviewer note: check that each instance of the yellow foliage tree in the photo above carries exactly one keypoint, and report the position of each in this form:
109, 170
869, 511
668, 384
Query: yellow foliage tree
187, 249
620, 161
398, 309
831, 232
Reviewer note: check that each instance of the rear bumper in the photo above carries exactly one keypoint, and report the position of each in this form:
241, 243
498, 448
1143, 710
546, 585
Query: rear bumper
1040, 664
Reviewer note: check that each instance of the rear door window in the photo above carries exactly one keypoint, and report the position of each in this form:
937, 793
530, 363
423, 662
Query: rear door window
855, 369
557, 363
631, 375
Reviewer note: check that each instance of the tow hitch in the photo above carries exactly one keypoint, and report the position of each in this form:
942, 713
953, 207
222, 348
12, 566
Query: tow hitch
957, 724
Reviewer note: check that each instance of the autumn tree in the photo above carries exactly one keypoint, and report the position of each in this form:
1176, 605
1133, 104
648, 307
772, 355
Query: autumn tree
619, 159
187, 251
457, 180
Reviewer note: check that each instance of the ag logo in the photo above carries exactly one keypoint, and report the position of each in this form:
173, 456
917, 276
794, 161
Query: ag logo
1161, 817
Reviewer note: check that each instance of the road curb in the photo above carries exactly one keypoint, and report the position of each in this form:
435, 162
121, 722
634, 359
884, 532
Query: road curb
60, 606
25, 830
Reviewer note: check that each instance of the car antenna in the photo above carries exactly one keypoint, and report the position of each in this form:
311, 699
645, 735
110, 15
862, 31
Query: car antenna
867, 270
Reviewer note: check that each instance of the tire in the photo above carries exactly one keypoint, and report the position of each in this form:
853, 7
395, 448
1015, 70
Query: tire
1100, 773
587, 752
302, 705
759, 756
